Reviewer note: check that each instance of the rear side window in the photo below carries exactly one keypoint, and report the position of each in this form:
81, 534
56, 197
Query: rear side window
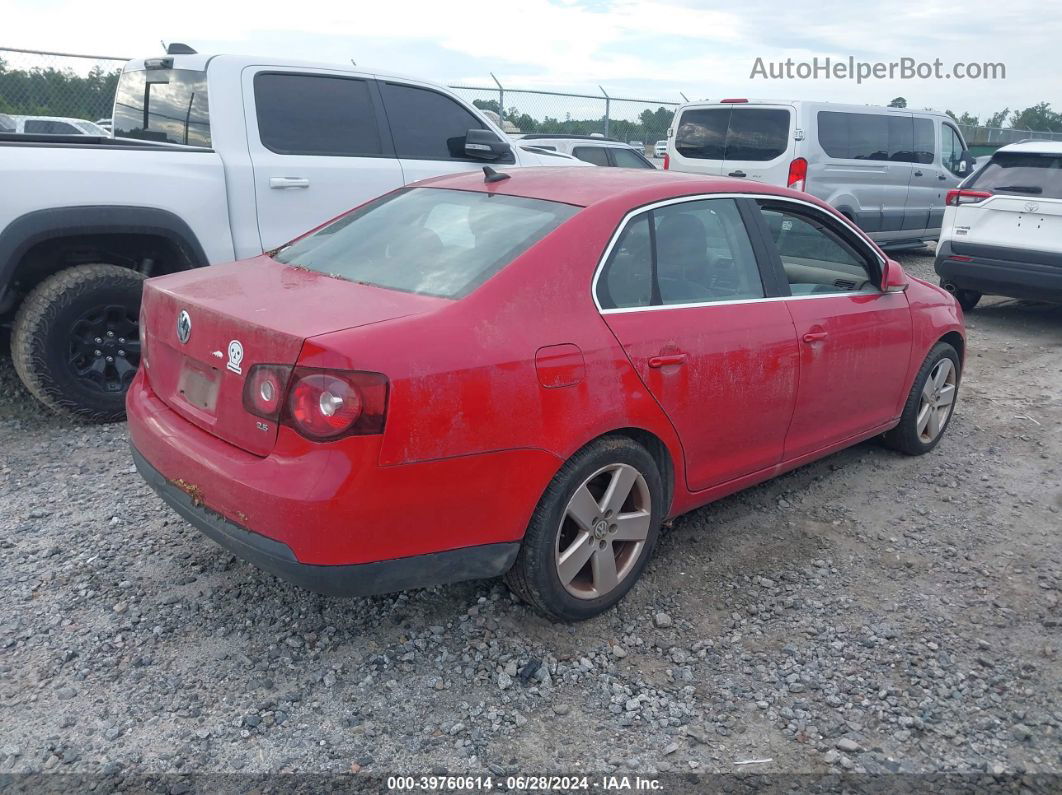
1022, 174
427, 125
49, 127
168, 105
591, 154
315, 115
755, 134
428, 241
694, 252
875, 136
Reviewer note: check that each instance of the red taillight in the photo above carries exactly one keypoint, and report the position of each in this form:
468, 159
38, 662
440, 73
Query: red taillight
798, 174
955, 198
263, 391
667, 161
960, 258
733, 101
319, 404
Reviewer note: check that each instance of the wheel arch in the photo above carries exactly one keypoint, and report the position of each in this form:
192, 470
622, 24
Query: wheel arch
955, 340
43, 242
656, 447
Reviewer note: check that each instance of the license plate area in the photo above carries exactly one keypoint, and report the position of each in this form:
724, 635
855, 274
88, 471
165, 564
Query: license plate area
198, 385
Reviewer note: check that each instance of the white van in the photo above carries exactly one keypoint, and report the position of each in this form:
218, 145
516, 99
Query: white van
886, 169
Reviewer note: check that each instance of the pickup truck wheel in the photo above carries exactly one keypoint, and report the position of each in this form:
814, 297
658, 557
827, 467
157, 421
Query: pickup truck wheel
76, 340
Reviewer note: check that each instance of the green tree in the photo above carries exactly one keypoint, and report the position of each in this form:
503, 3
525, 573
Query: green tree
898, 102
1038, 117
997, 119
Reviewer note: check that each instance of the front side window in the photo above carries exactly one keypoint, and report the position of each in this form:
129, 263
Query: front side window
167, 105
427, 240
816, 259
591, 154
427, 125
301, 114
692, 252
1022, 174
951, 150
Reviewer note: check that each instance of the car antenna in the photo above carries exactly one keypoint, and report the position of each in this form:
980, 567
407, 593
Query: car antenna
490, 175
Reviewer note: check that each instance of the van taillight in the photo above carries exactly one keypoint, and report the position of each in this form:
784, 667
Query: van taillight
667, 161
733, 101
320, 404
955, 198
798, 174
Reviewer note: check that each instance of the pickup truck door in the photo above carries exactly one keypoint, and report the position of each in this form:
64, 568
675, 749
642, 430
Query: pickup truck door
319, 145
429, 128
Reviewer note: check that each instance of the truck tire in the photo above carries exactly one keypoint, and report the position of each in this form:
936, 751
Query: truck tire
76, 341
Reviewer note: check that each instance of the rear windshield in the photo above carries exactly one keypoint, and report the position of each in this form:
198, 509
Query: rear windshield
428, 241
756, 134
1022, 174
166, 105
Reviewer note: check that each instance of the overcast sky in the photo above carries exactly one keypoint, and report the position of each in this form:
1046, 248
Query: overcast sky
642, 49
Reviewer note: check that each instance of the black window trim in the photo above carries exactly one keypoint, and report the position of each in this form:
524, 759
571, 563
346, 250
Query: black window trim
772, 273
386, 144
958, 135
507, 160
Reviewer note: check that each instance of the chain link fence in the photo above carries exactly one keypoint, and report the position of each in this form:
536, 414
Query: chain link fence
38, 83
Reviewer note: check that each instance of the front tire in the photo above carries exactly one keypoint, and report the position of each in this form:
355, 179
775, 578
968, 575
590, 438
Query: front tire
76, 341
592, 533
931, 403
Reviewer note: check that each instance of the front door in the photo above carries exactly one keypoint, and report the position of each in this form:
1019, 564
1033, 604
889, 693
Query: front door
682, 291
318, 148
854, 339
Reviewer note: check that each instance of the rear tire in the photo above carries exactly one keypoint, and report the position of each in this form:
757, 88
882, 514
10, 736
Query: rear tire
603, 508
924, 418
967, 299
76, 342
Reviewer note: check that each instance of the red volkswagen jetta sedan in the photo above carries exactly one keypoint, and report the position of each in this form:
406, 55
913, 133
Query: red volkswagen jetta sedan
526, 374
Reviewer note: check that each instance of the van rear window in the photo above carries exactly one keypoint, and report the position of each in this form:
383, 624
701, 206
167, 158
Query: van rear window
756, 134
1022, 174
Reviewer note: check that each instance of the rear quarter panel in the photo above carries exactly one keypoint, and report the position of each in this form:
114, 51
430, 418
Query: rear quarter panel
464, 379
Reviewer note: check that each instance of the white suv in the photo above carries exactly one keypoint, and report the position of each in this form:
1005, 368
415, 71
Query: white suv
1002, 230
593, 149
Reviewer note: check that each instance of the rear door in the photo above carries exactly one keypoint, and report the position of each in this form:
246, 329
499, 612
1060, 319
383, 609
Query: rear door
682, 292
699, 140
855, 340
428, 128
318, 147
759, 143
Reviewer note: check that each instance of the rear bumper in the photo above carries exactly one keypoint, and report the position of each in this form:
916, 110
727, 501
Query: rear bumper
360, 579
994, 270
333, 505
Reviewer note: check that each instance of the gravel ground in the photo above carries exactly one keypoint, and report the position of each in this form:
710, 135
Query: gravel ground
869, 612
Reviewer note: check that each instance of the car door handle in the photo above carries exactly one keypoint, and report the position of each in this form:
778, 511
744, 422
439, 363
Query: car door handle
289, 182
918, 173
942, 177
815, 336
737, 174
664, 359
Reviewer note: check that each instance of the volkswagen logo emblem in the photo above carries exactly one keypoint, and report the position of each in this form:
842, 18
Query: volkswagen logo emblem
184, 326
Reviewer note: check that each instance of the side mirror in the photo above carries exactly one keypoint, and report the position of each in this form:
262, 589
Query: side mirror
485, 145
895, 280
966, 164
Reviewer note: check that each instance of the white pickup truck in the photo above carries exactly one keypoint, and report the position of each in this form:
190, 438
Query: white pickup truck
214, 158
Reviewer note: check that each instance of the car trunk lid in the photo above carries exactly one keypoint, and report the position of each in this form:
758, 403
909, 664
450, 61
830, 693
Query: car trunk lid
206, 328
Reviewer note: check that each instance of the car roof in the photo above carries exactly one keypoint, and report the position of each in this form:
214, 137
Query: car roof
1043, 147
587, 186
834, 106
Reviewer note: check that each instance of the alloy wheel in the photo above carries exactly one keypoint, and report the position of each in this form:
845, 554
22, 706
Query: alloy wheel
603, 531
104, 348
937, 401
